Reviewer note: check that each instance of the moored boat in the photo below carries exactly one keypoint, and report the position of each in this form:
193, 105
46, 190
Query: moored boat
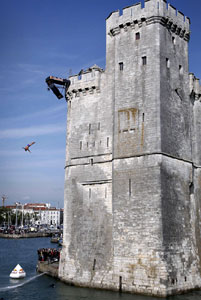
60, 242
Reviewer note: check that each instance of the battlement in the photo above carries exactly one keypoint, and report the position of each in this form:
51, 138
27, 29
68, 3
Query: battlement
154, 11
86, 81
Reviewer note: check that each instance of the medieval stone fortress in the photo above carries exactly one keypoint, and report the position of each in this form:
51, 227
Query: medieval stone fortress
133, 160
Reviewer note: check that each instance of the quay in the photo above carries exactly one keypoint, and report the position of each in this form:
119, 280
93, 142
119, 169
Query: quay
48, 261
50, 269
24, 235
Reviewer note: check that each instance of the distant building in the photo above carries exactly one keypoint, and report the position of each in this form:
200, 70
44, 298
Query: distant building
51, 216
39, 213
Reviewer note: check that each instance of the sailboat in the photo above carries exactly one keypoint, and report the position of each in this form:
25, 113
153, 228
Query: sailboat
18, 272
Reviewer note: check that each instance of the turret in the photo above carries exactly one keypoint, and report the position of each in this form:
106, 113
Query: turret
153, 11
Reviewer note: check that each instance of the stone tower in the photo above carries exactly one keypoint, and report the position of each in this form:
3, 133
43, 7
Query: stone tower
133, 167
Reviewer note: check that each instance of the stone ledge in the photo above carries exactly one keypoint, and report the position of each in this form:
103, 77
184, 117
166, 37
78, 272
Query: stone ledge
50, 269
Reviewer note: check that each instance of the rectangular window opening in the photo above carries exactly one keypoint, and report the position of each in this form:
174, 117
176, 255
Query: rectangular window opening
173, 40
89, 128
89, 193
137, 36
80, 145
143, 117
121, 66
91, 161
144, 60
107, 141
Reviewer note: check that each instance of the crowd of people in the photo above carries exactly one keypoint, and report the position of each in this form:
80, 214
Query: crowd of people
48, 254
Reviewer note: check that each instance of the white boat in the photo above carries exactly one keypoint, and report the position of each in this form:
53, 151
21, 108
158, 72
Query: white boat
18, 272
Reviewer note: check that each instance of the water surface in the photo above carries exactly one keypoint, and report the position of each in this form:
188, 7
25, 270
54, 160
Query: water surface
42, 287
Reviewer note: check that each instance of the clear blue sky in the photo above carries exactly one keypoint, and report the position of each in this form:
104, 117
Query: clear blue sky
41, 38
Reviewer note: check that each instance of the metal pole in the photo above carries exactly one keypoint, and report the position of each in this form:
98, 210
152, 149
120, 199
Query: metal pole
16, 217
22, 215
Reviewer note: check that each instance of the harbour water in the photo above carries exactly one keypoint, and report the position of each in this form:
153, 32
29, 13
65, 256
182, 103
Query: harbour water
41, 287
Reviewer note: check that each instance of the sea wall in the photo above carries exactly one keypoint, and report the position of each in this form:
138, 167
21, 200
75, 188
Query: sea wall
24, 235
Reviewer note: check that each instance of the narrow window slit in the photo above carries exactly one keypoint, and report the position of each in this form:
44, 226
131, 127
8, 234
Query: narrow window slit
167, 63
137, 36
121, 66
94, 264
120, 284
130, 187
191, 188
180, 69
144, 60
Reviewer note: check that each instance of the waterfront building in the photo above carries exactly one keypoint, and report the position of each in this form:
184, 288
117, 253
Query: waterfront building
51, 216
39, 213
133, 161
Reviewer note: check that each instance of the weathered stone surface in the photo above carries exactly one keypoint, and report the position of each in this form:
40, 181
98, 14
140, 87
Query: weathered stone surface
133, 165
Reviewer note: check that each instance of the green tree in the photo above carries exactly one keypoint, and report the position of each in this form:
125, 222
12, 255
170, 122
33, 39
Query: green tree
6, 216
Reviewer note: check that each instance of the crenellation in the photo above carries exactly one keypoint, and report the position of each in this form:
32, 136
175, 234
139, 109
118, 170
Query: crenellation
154, 11
131, 12
181, 20
112, 21
171, 12
86, 83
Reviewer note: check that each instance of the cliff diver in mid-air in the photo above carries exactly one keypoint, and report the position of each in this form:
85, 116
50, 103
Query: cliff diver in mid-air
26, 148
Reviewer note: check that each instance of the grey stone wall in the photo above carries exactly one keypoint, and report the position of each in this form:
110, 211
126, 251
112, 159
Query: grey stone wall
133, 166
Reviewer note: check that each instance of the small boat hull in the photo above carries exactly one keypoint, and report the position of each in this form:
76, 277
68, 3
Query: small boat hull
17, 273
17, 276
